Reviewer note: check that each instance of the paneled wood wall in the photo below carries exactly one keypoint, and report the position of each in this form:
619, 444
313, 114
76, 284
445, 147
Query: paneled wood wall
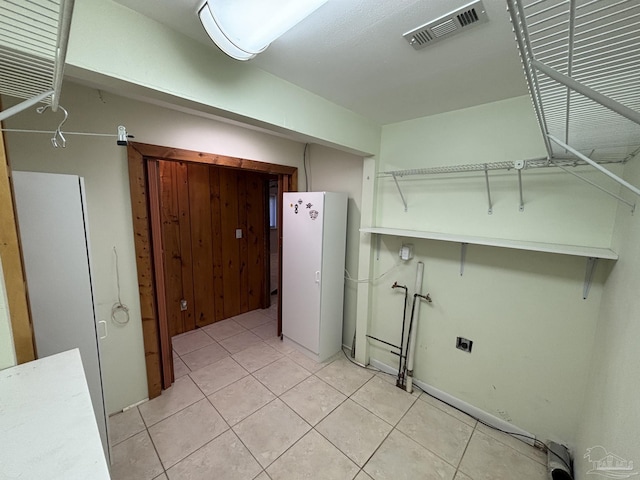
218, 275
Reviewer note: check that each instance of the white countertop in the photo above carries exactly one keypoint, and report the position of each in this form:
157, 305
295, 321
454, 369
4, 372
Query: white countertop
47, 425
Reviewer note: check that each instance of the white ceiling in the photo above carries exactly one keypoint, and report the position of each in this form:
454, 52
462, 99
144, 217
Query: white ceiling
352, 53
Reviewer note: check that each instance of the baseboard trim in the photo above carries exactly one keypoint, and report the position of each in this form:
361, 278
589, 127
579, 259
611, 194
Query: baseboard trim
467, 408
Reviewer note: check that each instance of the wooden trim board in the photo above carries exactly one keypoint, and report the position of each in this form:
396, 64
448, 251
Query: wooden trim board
11, 255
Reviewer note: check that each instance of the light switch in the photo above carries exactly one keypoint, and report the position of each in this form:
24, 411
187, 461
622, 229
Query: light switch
238, 233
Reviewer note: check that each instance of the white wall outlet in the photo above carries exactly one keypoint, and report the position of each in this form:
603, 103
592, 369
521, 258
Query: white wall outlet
406, 252
238, 233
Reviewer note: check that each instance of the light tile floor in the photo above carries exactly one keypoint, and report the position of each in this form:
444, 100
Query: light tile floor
245, 406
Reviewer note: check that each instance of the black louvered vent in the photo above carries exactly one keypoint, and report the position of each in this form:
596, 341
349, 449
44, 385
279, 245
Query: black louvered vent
468, 17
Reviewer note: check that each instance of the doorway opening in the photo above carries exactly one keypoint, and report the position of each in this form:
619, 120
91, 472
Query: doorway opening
204, 187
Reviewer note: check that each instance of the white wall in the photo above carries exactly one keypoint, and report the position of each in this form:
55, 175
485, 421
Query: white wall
335, 171
533, 333
104, 167
7, 350
558, 207
113, 45
611, 416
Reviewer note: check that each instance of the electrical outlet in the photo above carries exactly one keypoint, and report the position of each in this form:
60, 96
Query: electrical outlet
464, 344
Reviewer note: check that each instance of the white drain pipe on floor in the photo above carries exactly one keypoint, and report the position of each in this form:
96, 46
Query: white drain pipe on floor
414, 330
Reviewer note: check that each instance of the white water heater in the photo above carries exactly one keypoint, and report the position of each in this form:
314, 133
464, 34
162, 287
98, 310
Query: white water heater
314, 232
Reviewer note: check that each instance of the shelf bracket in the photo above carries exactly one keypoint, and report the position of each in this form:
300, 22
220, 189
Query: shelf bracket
404, 202
486, 177
592, 262
596, 165
463, 256
519, 165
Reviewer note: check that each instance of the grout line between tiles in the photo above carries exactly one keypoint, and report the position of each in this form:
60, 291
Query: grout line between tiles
155, 449
465, 450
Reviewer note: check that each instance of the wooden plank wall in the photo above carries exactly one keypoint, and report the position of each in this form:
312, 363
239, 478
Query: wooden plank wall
219, 275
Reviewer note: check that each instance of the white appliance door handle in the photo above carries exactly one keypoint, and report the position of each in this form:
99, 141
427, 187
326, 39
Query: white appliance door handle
318, 276
105, 329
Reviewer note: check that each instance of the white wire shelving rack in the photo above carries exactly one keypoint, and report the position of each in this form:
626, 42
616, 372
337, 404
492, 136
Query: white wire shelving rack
34, 35
581, 60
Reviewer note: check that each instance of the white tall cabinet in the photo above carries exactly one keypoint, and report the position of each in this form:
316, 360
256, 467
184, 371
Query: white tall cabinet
313, 254
52, 218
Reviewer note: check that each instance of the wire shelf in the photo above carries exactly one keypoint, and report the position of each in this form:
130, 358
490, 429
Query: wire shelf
594, 42
33, 42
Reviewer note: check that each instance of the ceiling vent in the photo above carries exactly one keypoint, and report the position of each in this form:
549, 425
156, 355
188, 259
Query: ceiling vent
448, 25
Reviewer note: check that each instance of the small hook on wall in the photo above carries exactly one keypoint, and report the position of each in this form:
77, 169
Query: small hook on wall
58, 139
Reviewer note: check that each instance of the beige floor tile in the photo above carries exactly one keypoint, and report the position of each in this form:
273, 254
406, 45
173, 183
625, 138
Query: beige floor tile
306, 362
239, 342
281, 375
312, 457
267, 331
161, 477
524, 448
223, 329
190, 341
400, 458
363, 476
135, 459
344, 376
280, 345
204, 356
252, 319
262, 476
241, 399
218, 375
125, 425
385, 400
489, 459
223, 458
257, 356
462, 476
180, 395
354, 430
454, 412
186, 431
179, 368
437, 431
313, 399
270, 431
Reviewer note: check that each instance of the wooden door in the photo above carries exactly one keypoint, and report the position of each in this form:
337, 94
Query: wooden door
214, 230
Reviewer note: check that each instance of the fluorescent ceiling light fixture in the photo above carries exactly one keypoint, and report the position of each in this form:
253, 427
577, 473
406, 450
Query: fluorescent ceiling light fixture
244, 28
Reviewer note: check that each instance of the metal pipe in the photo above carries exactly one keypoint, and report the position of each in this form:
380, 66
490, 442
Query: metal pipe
24, 105
596, 165
403, 355
382, 341
587, 92
413, 331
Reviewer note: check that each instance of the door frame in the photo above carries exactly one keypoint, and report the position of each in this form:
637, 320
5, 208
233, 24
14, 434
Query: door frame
145, 208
